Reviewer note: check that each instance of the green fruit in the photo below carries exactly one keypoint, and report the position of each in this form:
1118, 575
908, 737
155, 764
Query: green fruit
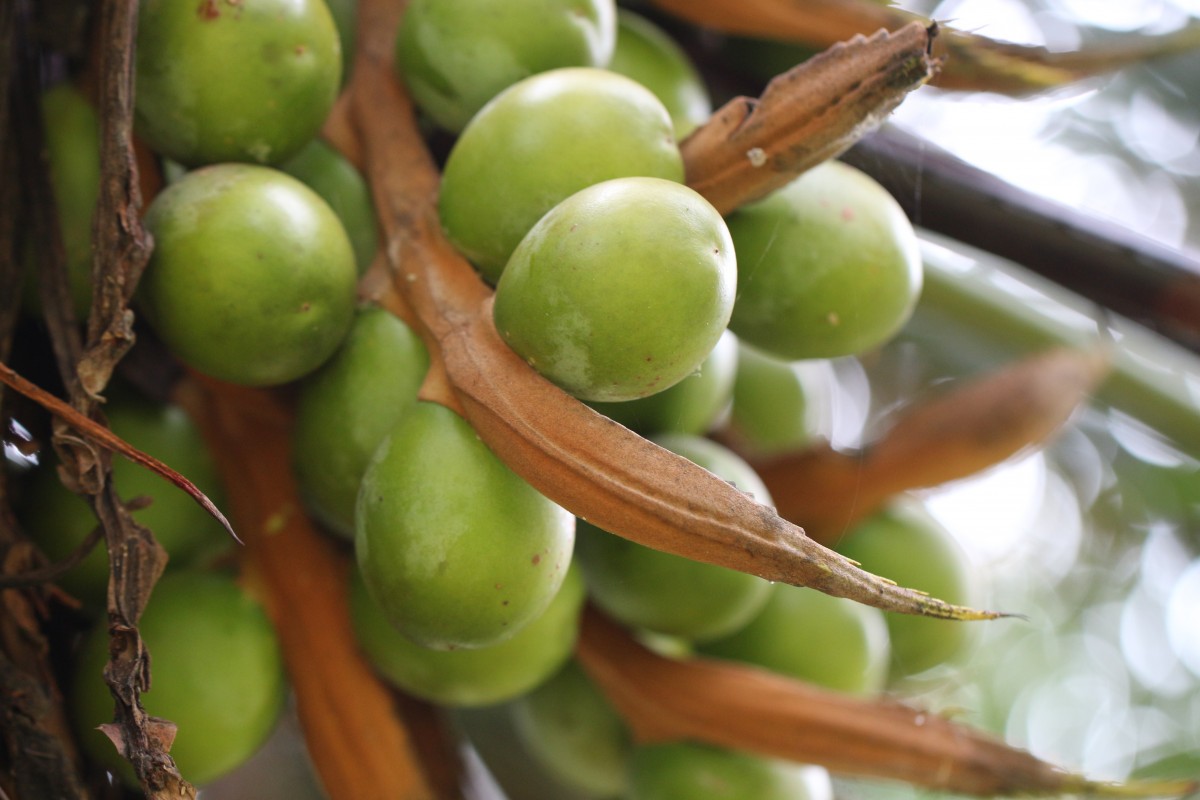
219, 80
59, 520
621, 290
345, 19
666, 593
456, 549
780, 406
471, 677
691, 406
329, 174
906, 545
252, 278
218, 675
647, 53
540, 141
345, 409
687, 771
804, 634
831, 266
73, 152
569, 727
456, 55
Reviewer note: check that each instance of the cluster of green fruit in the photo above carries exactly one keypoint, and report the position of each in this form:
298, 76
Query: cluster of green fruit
614, 280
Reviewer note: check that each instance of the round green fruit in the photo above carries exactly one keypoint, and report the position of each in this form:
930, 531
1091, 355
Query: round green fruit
691, 406
665, 593
328, 173
471, 677
904, 544
804, 634
648, 54
59, 520
228, 80
346, 408
540, 141
689, 771
621, 290
831, 266
456, 55
218, 675
252, 277
457, 550
569, 727
780, 406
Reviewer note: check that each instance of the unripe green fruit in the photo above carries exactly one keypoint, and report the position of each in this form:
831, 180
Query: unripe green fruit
621, 290
831, 266
472, 677
456, 55
540, 141
346, 408
457, 550
218, 675
234, 81
252, 278
780, 406
688, 771
665, 593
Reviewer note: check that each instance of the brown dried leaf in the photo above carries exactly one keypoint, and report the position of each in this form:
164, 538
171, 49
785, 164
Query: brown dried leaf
738, 706
359, 747
972, 62
971, 427
807, 115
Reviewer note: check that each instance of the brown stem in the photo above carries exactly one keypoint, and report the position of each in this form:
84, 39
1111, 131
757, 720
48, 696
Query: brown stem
739, 706
357, 743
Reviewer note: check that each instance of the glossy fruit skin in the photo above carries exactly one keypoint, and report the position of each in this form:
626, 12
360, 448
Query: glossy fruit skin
72, 145
456, 55
59, 519
328, 173
903, 543
648, 54
572, 731
471, 677
457, 550
218, 675
689, 771
665, 593
621, 290
692, 406
542, 140
831, 266
346, 408
780, 406
223, 81
252, 277
813, 637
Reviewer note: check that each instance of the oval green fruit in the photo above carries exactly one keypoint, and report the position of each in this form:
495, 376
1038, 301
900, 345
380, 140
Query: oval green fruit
831, 266
691, 406
234, 81
691, 771
648, 54
252, 277
780, 406
569, 727
346, 408
804, 634
665, 593
905, 544
621, 290
456, 55
540, 141
457, 550
218, 675
471, 677
59, 520
328, 173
